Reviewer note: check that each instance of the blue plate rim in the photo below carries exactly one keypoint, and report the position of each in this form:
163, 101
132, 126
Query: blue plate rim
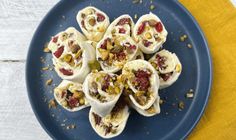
193, 21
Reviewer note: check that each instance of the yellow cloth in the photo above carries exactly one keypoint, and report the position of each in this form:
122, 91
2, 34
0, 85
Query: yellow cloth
217, 19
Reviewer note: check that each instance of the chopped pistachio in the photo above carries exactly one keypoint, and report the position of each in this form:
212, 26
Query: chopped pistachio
94, 65
151, 110
104, 55
92, 21
52, 103
152, 7
77, 94
189, 45
49, 82
45, 68
161, 101
46, 49
81, 101
178, 68
148, 35
67, 58
181, 105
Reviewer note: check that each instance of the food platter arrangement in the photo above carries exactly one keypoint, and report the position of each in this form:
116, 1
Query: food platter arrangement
105, 67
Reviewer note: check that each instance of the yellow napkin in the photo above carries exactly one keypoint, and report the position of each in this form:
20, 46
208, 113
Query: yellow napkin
217, 19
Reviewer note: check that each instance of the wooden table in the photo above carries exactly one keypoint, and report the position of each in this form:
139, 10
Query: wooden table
19, 19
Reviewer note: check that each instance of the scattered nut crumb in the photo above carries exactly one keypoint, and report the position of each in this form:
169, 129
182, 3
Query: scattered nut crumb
151, 1
183, 38
135, 16
181, 105
161, 101
189, 45
45, 68
63, 17
190, 94
72, 126
152, 7
147, 132
137, 1
63, 124
52, 104
46, 49
53, 115
166, 113
49, 82
64, 120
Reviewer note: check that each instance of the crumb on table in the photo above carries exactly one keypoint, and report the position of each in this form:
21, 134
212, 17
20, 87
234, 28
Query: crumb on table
49, 82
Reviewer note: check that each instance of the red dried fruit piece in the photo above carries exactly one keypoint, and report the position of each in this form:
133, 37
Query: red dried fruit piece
121, 56
63, 94
106, 82
142, 73
161, 61
100, 17
59, 52
104, 45
146, 43
54, 39
72, 102
141, 28
122, 30
66, 72
142, 78
97, 119
159, 27
165, 77
143, 83
133, 47
123, 21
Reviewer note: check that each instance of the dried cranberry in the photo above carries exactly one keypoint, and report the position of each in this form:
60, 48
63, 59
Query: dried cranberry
161, 61
54, 39
166, 76
143, 83
82, 23
142, 73
121, 56
97, 119
133, 47
122, 30
72, 102
59, 52
100, 17
66, 72
63, 94
123, 21
142, 78
104, 45
146, 43
159, 27
141, 28
106, 82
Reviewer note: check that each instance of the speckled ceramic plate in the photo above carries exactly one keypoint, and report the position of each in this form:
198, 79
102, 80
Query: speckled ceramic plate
172, 123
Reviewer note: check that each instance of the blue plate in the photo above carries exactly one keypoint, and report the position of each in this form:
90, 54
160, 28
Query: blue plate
172, 123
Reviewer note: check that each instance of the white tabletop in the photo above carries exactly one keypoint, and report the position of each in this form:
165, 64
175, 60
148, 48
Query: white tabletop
18, 21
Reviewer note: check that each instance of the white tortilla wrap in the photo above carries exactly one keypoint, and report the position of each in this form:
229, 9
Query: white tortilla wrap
70, 96
112, 124
113, 52
149, 33
168, 67
123, 25
153, 110
102, 91
93, 23
71, 55
142, 79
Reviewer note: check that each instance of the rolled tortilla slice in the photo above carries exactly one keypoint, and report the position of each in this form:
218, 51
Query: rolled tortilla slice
112, 124
168, 67
93, 22
123, 25
70, 96
102, 91
142, 81
149, 33
113, 52
71, 55
151, 111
